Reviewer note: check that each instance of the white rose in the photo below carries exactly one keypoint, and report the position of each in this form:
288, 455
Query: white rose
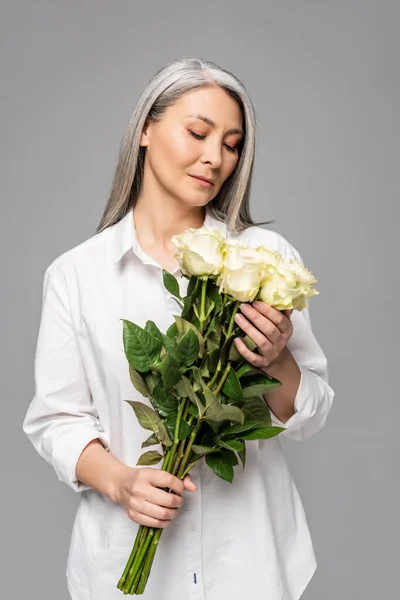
287, 285
199, 251
242, 271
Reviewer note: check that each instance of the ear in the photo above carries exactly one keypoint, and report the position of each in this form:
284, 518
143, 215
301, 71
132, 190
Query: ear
144, 138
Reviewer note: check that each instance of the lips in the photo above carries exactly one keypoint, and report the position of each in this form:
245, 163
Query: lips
203, 178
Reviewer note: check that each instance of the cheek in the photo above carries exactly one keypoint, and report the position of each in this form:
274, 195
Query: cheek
178, 150
230, 167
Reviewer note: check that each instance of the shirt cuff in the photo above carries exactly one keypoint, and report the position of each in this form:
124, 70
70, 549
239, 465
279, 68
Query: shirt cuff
67, 451
305, 403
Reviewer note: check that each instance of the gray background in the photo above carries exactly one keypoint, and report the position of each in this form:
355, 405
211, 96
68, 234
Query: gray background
324, 78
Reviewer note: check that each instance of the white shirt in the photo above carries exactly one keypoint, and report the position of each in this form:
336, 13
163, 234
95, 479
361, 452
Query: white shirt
245, 540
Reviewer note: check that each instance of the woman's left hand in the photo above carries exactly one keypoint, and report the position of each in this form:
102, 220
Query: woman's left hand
269, 328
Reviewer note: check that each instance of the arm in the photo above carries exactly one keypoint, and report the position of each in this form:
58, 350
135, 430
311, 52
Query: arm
281, 400
98, 469
312, 396
61, 419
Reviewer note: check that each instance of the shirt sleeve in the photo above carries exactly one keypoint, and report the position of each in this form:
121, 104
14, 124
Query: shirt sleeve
314, 396
61, 419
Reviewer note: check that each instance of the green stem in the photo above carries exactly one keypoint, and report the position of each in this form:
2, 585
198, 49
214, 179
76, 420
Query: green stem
188, 450
203, 303
134, 567
214, 377
222, 380
148, 562
232, 320
141, 556
131, 558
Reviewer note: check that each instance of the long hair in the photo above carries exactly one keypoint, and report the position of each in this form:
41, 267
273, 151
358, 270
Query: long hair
231, 204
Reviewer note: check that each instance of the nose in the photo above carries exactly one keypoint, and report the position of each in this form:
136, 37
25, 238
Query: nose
212, 154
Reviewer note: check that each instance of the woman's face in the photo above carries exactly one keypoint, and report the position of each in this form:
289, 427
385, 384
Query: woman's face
181, 145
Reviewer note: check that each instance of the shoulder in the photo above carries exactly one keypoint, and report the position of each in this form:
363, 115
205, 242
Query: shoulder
85, 257
258, 236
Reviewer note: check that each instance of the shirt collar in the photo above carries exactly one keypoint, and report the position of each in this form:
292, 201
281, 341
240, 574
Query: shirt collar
124, 235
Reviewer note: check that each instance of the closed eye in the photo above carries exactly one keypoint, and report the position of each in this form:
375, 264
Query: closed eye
201, 137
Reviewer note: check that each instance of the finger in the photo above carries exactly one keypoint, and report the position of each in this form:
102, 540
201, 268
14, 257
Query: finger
163, 479
162, 513
260, 322
162, 498
287, 313
254, 359
268, 333
189, 483
148, 521
275, 316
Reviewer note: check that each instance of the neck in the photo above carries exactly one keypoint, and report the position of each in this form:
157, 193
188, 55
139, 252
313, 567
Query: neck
155, 224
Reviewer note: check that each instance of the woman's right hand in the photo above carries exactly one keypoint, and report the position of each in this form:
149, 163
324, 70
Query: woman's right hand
138, 490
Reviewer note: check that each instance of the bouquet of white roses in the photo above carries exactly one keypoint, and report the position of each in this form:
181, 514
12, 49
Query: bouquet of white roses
206, 399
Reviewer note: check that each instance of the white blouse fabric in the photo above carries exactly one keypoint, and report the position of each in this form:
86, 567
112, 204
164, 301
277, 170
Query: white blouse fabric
248, 539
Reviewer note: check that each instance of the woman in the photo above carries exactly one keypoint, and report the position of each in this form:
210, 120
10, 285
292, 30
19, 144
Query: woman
248, 539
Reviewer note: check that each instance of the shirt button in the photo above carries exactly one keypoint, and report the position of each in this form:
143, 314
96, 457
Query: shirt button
193, 526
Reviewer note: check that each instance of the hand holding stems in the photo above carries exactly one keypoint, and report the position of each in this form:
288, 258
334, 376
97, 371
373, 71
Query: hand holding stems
140, 491
269, 328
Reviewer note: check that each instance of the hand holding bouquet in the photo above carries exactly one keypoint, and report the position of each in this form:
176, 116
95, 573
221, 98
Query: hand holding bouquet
205, 398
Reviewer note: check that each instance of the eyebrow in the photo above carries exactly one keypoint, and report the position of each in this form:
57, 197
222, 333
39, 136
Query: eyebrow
212, 124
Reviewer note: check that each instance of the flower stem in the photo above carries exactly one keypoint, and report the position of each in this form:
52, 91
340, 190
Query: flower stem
132, 557
188, 450
232, 320
148, 562
203, 304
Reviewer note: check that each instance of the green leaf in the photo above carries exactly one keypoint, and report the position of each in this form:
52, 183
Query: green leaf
237, 445
170, 371
242, 456
203, 450
232, 413
232, 387
164, 400
183, 326
256, 409
204, 370
153, 439
194, 411
171, 284
172, 331
152, 457
217, 412
184, 427
213, 341
178, 303
185, 390
256, 385
192, 461
244, 368
221, 464
192, 286
141, 348
169, 344
233, 430
234, 354
215, 296
153, 330
209, 307
151, 378
138, 382
149, 419
262, 433
212, 359
188, 349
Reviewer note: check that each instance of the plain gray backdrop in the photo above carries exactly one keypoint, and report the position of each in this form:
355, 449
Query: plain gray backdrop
324, 79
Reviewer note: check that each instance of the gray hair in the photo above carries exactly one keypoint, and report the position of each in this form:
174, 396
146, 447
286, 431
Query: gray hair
231, 204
